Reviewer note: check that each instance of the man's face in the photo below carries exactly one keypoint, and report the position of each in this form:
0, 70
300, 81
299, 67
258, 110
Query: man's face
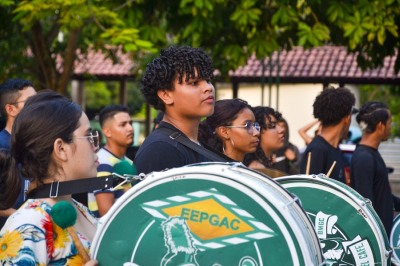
119, 129
387, 128
194, 98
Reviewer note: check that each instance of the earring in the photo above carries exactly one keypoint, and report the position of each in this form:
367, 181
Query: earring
233, 144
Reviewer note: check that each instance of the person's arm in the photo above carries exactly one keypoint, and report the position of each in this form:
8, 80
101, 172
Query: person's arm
303, 131
104, 201
7, 213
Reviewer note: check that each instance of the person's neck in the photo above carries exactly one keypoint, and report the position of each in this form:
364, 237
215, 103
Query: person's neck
370, 140
115, 149
9, 125
234, 155
332, 134
189, 127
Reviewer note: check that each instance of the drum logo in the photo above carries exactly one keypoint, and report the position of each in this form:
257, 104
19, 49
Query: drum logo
337, 248
204, 220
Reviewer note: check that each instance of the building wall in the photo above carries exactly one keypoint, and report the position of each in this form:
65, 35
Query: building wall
294, 102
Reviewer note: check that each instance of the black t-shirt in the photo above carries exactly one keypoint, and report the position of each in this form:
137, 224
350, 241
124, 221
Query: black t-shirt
323, 155
159, 152
369, 177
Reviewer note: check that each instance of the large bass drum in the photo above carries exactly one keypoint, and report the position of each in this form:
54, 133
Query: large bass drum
394, 240
206, 214
349, 229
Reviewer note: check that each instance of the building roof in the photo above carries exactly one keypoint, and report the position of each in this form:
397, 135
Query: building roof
97, 64
326, 64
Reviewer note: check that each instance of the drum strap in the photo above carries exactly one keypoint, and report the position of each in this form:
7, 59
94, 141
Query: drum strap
177, 136
56, 189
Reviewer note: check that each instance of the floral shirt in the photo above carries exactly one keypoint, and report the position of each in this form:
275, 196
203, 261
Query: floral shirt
30, 237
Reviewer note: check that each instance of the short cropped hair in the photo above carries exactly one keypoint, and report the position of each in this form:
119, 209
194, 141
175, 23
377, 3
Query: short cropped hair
9, 92
371, 114
332, 105
174, 63
108, 112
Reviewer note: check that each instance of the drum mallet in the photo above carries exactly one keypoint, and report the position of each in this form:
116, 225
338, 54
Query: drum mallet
64, 215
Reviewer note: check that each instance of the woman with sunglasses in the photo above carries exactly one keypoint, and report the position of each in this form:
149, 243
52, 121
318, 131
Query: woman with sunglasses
51, 142
231, 130
272, 138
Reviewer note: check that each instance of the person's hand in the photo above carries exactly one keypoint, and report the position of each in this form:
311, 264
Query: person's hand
290, 154
92, 263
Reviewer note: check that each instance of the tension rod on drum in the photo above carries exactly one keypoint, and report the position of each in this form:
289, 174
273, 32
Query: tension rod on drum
128, 179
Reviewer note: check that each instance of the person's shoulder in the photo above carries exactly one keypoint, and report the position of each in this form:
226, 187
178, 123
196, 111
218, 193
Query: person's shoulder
33, 215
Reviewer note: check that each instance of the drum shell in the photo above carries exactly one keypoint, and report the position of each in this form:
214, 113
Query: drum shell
129, 234
353, 217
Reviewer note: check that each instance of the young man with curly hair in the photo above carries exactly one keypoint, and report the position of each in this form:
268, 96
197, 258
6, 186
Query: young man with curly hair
178, 83
369, 175
333, 108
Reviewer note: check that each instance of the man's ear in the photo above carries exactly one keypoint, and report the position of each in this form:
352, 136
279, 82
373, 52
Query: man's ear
60, 150
106, 131
166, 96
11, 110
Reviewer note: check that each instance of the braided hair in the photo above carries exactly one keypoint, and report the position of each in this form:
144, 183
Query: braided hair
371, 114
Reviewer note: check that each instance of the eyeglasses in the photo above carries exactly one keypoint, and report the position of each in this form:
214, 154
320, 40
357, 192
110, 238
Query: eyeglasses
248, 126
16, 103
93, 139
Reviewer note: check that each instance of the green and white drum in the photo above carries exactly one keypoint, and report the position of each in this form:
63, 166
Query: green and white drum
206, 214
395, 240
349, 229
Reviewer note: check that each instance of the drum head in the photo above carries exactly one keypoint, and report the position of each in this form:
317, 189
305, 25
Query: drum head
350, 231
395, 240
206, 215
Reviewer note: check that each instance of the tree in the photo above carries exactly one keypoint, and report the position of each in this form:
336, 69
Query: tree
45, 36
231, 31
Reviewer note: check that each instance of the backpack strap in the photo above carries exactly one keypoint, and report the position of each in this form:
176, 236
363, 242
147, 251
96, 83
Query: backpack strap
179, 137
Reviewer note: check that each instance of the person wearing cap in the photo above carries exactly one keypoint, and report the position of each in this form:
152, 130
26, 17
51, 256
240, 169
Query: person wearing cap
333, 107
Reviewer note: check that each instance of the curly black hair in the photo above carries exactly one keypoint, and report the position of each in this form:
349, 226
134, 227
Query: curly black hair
370, 114
332, 105
262, 115
225, 112
174, 63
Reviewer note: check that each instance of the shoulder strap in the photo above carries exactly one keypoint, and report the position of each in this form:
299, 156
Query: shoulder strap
177, 136
56, 189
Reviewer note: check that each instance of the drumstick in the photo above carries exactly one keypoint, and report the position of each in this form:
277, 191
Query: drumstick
308, 164
64, 215
330, 170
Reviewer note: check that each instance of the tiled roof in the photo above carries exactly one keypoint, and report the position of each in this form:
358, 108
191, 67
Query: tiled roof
96, 64
326, 64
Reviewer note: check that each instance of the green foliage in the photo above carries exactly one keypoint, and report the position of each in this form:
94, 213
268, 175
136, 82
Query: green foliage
230, 31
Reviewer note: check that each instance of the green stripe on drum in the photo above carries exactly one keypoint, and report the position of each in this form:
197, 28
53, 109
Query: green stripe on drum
346, 224
203, 215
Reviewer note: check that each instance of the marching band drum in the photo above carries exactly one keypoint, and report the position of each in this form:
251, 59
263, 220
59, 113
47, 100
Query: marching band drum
227, 214
206, 214
348, 227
